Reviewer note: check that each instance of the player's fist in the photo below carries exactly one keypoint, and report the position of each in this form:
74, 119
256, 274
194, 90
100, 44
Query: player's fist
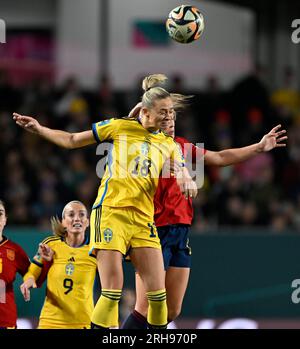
45, 252
186, 184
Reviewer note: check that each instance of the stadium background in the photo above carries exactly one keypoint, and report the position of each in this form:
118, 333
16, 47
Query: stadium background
73, 62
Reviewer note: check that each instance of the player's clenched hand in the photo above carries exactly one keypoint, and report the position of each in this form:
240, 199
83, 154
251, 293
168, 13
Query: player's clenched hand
25, 288
27, 122
273, 139
45, 252
187, 186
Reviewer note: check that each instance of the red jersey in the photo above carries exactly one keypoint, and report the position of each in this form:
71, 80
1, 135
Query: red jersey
13, 259
171, 206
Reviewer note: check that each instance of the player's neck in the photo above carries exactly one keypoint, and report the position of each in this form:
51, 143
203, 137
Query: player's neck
74, 240
145, 123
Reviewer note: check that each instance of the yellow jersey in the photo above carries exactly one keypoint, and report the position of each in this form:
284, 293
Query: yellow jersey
134, 163
70, 280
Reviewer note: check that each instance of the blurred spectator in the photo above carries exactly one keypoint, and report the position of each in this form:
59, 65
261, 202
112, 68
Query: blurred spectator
177, 84
248, 93
47, 205
68, 94
221, 130
286, 99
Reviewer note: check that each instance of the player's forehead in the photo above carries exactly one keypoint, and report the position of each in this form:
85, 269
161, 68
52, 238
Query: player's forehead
73, 207
164, 104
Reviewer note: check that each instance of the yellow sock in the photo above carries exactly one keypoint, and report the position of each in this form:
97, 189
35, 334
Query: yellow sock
106, 311
157, 310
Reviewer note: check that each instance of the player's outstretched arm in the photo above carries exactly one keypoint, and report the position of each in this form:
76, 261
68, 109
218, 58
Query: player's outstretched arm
61, 138
274, 139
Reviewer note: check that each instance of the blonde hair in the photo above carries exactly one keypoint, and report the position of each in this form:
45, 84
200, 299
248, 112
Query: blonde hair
57, 227
180, 101
154, 92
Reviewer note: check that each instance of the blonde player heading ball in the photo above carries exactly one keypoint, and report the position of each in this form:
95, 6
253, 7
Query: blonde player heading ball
174, 215
122, 216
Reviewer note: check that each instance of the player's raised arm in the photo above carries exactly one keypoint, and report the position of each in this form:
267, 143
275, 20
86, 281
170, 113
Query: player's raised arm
271, 140
61, 138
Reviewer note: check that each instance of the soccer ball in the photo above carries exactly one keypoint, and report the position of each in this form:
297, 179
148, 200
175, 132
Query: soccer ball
185, 24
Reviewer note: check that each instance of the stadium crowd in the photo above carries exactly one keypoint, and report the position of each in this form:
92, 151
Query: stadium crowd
37, 179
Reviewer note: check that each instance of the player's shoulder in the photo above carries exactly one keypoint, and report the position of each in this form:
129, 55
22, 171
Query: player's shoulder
106, 122
129, 123
7, 243
52, 240
118, 123
181, 140
166, 136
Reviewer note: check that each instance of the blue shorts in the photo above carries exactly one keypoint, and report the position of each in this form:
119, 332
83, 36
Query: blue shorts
175, 245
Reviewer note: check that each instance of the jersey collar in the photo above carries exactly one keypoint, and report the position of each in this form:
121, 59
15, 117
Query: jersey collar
154, 132
4, 240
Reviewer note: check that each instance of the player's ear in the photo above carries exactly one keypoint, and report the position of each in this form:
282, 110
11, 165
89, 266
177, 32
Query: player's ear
88, 222
145, 112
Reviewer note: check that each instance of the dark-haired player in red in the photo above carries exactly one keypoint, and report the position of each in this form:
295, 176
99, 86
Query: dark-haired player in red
13, 260
173, 218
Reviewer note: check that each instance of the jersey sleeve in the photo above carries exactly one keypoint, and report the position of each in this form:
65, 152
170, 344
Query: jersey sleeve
190, 150
23, 261
177, 154
33, 272
105, 130
38, 268
43, 273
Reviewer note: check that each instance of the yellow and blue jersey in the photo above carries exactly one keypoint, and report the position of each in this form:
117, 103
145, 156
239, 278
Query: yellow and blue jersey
70, 279
135, 160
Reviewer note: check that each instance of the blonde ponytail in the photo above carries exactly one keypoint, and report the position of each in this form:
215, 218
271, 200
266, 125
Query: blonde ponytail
153, 81
57, 228
153, 91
